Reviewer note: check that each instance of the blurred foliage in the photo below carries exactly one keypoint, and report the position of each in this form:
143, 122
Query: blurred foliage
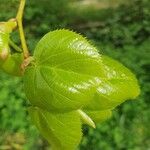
122, 32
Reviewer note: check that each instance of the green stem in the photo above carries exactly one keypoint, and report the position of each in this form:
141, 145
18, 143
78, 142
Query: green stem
14, 46
20, 26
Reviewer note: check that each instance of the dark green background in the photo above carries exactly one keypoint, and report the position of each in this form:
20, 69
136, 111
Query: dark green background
119, 30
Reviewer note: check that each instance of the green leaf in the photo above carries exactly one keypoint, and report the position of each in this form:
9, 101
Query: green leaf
118, 84
63, 131
57, 82
68, 74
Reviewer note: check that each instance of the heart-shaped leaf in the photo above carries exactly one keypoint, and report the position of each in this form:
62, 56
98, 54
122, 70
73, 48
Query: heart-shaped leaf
70, 78
57, 82
69, 74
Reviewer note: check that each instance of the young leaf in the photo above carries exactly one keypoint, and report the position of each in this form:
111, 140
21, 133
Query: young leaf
56, 82
63, 131
118, 84
69, 74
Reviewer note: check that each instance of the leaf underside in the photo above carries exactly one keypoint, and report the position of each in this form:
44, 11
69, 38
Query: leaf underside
69, 74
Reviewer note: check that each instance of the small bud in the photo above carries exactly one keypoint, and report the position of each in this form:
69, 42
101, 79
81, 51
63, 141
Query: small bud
4, 54
5, 57
86, 119
12, 64
4, 41
12, 24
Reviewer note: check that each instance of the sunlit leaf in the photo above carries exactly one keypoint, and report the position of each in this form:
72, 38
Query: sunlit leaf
70, 78
117, 85
59, 80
